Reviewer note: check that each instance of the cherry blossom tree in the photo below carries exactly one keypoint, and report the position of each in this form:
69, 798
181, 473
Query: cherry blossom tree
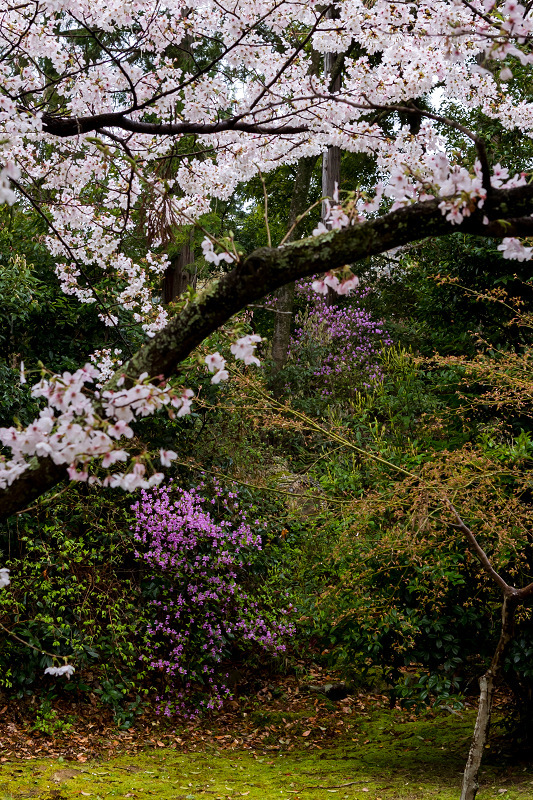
101, 115
97, 100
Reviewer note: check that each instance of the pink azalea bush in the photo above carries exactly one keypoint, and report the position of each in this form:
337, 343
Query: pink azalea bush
339, 345
204, 612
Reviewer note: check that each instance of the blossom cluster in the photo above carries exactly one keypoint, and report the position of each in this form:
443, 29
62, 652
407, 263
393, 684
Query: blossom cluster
81, 425
107, 361
340, 345
66, 669
203, 547
459, 190
243, 349
331, 281
78, 426
211, 257
421, 176
8, 172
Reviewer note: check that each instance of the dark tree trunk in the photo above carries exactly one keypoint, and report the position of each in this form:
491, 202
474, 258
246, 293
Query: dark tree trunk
285, 302
181, 272
331, 177
331, 173
282, 327
331, 160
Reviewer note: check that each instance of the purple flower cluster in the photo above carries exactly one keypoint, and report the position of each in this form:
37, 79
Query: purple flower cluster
204, 612
341, 345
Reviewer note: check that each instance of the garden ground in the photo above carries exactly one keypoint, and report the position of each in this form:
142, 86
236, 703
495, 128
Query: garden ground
283, 743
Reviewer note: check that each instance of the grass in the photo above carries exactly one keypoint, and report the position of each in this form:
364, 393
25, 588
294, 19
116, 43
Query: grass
382, 755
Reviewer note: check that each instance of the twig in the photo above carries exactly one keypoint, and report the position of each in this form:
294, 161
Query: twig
315, 497
299, 219
267, 308
44, 502
27, 644
335, 436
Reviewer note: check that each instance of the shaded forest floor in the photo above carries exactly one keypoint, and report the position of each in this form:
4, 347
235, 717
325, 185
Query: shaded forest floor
281, 743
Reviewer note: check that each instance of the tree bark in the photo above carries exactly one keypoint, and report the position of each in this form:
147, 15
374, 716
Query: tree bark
331, 174
331, 178
486, 693
282, 327
180, 273
331, 159
285, 302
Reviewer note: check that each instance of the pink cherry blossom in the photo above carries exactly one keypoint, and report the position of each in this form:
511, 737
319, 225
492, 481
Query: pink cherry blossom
166, 457
514, 250
244, 347
215, 362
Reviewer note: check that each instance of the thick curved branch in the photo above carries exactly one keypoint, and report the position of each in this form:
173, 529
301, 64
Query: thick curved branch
31, 484
74, 126
266, 269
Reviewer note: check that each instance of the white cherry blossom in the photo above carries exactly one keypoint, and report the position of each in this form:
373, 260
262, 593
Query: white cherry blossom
514, 250
244, 348
66, 669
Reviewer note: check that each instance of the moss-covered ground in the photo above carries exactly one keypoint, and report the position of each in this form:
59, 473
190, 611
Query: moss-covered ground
379, 755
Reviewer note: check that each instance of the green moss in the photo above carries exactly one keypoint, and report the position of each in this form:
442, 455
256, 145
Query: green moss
387, 755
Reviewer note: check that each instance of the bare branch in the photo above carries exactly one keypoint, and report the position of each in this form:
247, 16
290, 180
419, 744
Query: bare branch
481, 555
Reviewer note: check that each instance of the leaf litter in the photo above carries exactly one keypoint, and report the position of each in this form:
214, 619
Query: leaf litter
283, 742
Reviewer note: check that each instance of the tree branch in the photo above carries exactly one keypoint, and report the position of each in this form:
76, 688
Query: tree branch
74, 126
266, 269
483, 558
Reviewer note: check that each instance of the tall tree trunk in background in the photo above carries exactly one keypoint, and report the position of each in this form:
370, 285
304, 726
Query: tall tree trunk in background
331, 159
181, 272
331, 174
331, 178
285, 295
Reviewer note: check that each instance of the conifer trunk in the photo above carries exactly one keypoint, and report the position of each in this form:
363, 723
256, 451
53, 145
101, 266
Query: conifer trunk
285, 296
181, 272
331, 159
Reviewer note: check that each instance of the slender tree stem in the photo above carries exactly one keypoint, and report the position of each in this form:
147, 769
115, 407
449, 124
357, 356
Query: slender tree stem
487, 684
